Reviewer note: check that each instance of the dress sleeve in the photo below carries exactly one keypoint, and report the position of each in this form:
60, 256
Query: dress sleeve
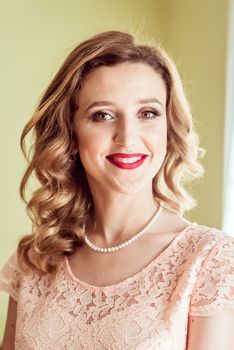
10, 277
214, 288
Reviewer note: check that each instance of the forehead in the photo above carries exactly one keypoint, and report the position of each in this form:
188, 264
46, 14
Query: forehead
123, 80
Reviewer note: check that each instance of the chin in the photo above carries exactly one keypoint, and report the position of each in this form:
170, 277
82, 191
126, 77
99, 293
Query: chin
131, 186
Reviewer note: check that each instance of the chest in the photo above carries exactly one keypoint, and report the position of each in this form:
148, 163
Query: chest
103, 269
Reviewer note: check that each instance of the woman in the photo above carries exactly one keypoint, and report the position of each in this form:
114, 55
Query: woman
111, 262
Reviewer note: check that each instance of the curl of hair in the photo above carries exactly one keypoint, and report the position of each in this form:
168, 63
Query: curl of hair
62, 203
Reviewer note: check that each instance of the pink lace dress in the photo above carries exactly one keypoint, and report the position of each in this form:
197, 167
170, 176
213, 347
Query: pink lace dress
194, 275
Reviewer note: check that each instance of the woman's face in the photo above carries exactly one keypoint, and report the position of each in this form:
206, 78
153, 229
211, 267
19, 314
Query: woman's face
111, 119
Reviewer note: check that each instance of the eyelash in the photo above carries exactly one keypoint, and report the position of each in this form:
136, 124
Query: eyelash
94, 116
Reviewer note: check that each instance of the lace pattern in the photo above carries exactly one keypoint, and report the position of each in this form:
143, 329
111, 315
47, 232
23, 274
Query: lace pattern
10, 277
150, 310
214, 290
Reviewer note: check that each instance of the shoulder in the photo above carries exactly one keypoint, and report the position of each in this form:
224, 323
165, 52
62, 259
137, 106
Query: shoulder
215, 245
214, 285
199, 243
208, 238
20, 284
193, 238
198, 233
11, 277
11, 265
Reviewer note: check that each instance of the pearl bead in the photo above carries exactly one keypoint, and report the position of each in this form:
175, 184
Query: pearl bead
124, 244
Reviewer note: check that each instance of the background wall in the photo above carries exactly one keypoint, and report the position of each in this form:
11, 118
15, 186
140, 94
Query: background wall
37, 36
196, 33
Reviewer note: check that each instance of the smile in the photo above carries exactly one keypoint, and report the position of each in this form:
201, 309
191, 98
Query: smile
127, 163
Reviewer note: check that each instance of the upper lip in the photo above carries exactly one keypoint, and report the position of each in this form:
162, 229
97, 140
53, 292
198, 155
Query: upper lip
126, 155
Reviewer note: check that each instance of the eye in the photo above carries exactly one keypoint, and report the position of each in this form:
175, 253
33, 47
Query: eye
100, 117
154, 114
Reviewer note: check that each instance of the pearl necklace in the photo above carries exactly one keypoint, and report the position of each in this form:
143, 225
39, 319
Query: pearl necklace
124, 244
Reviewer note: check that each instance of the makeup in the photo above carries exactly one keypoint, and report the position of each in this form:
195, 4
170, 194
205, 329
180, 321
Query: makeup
128, 163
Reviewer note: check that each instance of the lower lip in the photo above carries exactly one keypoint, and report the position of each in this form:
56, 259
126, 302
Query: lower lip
127, 165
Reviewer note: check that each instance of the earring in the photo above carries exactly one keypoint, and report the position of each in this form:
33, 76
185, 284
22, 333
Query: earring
70, 161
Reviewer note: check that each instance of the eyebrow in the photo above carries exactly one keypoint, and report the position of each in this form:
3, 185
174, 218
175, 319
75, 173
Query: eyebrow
109, 103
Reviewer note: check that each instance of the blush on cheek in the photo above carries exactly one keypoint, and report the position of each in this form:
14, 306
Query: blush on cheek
90, 150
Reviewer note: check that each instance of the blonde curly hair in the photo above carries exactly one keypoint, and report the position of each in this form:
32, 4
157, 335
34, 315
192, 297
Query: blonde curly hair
62, 203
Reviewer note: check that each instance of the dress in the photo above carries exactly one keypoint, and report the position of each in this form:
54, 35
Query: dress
194, 275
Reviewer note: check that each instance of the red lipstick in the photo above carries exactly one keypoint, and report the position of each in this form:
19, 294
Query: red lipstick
115, 160
126, 155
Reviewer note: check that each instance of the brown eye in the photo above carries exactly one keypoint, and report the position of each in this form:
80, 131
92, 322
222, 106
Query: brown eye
100, 117
153, 114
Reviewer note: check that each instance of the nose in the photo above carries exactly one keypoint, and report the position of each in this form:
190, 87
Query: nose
126, 134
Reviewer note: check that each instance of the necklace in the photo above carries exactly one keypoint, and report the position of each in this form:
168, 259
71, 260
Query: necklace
126, 243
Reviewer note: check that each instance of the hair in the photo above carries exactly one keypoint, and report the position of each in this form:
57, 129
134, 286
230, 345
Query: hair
62, 202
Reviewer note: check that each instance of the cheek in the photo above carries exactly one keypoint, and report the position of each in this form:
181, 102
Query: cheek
158, 139
90, 142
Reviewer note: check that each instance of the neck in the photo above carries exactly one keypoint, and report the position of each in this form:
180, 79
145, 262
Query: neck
119, 217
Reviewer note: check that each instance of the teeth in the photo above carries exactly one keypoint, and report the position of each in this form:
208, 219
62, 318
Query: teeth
127, 160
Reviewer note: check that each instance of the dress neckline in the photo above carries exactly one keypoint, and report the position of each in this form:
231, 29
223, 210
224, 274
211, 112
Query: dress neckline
135, 276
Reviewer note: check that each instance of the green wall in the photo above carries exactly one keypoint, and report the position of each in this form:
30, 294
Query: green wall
196, 35
36, 37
